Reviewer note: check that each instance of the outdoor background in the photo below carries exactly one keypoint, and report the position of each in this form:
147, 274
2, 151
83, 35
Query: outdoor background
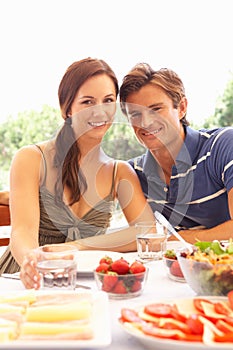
41, 38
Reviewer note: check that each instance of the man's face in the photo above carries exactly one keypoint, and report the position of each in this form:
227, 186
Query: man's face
155, 121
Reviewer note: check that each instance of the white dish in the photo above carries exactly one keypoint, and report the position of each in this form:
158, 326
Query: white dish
151, 342
88, 260
102, 335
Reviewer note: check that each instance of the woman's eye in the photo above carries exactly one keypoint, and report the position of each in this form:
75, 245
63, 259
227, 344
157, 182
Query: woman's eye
109, 100
86, 102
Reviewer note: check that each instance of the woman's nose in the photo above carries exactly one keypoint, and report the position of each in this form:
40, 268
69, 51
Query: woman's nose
104, 109
98, 110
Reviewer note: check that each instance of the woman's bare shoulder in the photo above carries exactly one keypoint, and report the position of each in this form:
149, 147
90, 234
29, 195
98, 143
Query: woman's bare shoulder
31, 149
29, 155
124, 168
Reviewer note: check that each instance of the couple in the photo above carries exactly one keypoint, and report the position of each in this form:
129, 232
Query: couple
63, 190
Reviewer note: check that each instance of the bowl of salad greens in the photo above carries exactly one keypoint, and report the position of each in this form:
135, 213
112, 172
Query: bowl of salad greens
208, 269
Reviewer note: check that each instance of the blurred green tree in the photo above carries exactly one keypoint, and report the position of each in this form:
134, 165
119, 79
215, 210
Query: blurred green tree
28, 127
223, 115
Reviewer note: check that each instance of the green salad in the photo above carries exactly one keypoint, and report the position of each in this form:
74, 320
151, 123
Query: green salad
209, 268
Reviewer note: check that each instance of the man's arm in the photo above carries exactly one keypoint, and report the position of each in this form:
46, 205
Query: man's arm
220, 232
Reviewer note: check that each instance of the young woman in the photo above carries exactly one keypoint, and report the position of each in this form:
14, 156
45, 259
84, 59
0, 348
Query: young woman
63, 190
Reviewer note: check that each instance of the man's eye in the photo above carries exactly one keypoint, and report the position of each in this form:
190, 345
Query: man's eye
135, 115
155, 109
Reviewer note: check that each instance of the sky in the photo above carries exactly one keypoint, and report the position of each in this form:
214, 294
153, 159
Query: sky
40, 39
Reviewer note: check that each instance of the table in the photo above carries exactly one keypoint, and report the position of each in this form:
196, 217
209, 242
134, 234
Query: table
158, 286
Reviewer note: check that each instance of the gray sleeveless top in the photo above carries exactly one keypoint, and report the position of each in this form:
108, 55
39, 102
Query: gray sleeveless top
58, 224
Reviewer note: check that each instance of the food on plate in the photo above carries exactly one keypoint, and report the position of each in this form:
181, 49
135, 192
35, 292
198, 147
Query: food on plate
60, 312
172, 265
8, 330
46, 316
120, 278
196, 320
28, 296
209, 268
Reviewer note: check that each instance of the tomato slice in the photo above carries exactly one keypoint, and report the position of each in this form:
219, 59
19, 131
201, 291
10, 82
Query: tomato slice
220, 308
175, 334
226, 338
197, 303
128, 315
195, 325
175, 314
161, 332
229, 320
158, 310
230, 298
224, 326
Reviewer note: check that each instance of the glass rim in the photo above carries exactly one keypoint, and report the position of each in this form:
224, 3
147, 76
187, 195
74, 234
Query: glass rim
148, 223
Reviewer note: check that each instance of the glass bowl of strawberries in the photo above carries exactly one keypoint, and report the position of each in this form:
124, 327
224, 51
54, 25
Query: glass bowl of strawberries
119, 278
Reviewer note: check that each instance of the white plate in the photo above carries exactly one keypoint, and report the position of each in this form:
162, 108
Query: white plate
151, 342
101, 325
88, 260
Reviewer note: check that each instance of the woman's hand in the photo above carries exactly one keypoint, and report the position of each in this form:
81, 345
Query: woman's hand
28, 273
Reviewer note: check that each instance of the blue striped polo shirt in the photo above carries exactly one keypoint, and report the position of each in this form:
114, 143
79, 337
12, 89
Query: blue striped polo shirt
200, 180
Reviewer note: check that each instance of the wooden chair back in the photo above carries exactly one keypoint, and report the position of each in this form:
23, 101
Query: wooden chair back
4, 221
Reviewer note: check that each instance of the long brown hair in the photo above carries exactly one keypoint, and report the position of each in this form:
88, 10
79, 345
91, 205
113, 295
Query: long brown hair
142, 74
67, 152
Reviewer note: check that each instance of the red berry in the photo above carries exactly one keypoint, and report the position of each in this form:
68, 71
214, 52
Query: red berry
120, 266
136, 286
119, 288
106, 259
103, 267
137, 267
109, 281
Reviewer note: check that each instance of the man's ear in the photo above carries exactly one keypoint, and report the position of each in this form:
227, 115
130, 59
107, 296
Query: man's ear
183, 107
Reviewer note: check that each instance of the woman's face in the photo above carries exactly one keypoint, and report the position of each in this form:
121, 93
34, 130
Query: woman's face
155, 121
94, 107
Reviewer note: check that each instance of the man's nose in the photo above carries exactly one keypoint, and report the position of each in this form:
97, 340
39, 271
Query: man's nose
146, 120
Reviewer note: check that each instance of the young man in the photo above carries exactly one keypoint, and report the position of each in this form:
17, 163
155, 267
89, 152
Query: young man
186, 174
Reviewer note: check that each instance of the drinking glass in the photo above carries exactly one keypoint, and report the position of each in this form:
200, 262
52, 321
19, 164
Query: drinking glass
149, 238
57, 265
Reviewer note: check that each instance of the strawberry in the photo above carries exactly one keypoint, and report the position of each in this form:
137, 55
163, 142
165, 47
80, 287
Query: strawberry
136, 286
119, 288
136, 267
106, 259
109, 281
120, 266
175, 269
102, 267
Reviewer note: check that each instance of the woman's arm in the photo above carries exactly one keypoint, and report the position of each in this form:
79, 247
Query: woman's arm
123, 240
131, 198
24, 201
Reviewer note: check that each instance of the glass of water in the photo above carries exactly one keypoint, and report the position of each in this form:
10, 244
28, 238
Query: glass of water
57, 266
149, 240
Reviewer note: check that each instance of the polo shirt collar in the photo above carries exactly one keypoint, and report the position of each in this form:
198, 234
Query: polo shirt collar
189, 149
186, 155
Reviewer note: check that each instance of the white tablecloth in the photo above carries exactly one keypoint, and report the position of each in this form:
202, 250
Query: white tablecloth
158, 287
